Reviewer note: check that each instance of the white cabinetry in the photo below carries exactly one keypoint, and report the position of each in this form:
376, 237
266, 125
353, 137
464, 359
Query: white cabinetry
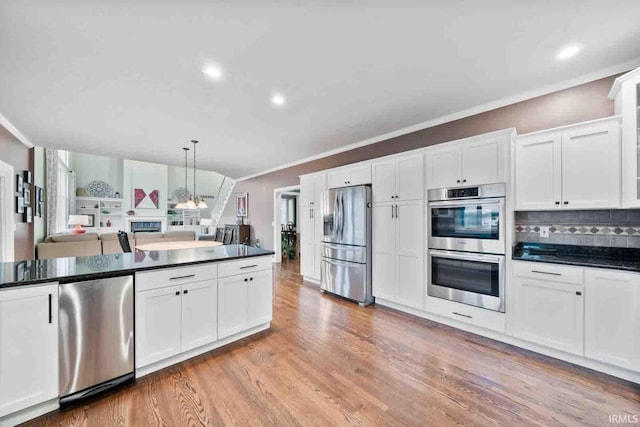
471, 161
199, 320
398, 252
244, 301
612, 316
312, 187
28, 347
576, 167
626, 96
400, 178
349, 176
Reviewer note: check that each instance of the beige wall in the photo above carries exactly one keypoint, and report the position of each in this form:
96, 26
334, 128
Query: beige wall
13, 152
581, 103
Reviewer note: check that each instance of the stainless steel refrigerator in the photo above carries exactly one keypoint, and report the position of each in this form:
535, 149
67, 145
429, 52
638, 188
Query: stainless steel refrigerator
346, 244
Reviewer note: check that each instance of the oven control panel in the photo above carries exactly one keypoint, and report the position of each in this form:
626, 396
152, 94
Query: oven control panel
457, 193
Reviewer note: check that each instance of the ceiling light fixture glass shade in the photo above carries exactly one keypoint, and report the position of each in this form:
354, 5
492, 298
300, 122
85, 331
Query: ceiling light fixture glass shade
202, 204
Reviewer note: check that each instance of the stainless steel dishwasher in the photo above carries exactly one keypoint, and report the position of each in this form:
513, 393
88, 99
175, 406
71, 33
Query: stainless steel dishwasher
96, 336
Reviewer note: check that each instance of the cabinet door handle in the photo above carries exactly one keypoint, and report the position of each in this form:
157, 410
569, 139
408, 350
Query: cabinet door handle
182, 277
248, 266
566, 202
458, 181
557, 203
246, 280
392, 211
177, 293
396, 211
464, 180
186, 291
578, 293
462, 315
50, 308
251, 279
546, 272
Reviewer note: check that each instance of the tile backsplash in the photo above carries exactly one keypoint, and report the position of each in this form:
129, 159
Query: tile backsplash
616, 228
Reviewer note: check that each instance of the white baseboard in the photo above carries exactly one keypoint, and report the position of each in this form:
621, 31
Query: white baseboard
311, 279
29, 413
146, 370
556, 354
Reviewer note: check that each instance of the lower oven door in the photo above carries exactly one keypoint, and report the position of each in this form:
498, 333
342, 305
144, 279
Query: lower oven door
468, 278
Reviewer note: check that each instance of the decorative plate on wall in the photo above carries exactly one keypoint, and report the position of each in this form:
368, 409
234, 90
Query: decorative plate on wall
98, 189
181, 194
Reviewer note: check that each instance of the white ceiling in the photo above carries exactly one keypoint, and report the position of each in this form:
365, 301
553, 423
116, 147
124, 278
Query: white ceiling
123, 78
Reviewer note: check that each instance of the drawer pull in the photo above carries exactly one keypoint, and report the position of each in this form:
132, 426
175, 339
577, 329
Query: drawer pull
248, 266
546, 272
462, 315
182, 277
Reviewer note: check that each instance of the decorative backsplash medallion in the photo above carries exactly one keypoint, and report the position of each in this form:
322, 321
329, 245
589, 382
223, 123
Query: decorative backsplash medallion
616, 228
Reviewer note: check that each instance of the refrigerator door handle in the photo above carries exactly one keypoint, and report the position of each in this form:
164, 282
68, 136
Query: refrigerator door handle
341, 216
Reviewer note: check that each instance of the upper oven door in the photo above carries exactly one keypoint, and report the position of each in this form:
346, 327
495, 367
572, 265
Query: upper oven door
475, 225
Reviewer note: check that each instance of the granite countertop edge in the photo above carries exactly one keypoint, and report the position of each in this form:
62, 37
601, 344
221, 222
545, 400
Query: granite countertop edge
68, 278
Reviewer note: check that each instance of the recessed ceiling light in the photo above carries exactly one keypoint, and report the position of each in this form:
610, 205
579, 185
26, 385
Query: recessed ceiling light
213, 71
568, 51
278, 100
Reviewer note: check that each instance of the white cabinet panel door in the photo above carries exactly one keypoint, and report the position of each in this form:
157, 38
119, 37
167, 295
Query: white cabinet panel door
384, 187
612, 317
199, 314
307, 259
28, 347
444, 167
307, 224
337, 179
592, 167
233, 300
483, 162
319, 185
410, 254
360, 175
307, 190
260, 297
538, 167
384, 241
158, 324
549, 314
410, 177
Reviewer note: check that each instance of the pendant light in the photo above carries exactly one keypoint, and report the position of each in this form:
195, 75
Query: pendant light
182, 203
197, 202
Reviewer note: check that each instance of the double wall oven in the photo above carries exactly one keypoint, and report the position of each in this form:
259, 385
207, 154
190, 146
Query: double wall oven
466, 240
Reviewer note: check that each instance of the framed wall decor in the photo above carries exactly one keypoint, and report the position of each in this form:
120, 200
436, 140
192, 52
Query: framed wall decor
28, 176
242, 205
19, 183
27, 216
27, 196
92, 220
19, 204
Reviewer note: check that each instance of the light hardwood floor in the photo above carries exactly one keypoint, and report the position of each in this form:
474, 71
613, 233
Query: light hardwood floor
329, 362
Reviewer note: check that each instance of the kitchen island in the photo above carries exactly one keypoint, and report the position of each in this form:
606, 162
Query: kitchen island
184, 302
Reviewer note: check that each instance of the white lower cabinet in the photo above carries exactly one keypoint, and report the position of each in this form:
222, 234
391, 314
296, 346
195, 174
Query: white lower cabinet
549, 313
199, 314
244, 301
612, 316
398, 253
28, 347
158, 324
175, 319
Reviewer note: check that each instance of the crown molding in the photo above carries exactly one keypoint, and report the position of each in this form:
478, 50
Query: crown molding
585, 78
15, 132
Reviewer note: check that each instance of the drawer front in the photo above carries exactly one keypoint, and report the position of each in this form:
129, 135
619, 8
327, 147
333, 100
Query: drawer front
549, 272
244, 266
468, 314
156, 279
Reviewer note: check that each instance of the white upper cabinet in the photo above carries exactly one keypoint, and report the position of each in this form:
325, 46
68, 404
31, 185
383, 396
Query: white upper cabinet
311, 188
612, 317
575, 167
626, 96
28, 347
401, 178
473, 161
349, 176
538, 171
444, 166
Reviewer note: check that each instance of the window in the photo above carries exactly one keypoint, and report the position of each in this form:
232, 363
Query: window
63, 199
288, 208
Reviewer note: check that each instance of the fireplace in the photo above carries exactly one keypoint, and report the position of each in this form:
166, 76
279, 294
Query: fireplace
136, 224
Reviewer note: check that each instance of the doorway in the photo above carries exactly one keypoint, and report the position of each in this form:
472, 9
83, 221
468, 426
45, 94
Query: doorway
286, 211
6, 212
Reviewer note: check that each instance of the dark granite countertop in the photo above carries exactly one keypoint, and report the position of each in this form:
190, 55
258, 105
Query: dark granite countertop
62, 270
627, 259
